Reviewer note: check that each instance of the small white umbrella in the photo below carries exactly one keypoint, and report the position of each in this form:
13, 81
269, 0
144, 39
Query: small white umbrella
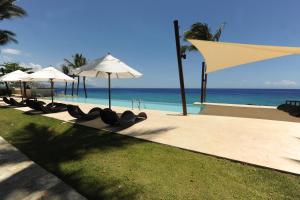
15, 76
107, 67
50, 74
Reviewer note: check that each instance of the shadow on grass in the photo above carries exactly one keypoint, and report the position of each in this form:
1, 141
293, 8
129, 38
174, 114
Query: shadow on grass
51, 148
7, 106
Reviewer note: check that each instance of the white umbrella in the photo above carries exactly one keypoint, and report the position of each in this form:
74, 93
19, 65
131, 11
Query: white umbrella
50, 74
16, 76
107, 67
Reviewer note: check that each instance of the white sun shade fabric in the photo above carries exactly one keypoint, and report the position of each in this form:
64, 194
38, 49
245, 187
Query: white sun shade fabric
107, 64
221, 55
15, 76
48, 74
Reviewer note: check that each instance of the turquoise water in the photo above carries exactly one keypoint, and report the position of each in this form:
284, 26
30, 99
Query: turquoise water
170, 100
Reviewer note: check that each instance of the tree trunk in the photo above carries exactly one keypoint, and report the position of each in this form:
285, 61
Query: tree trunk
66, 86
78, 80
84, 86
73, 86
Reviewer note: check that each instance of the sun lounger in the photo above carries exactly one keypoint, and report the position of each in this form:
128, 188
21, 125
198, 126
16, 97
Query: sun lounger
77, 113
292, 109
127, 118
51, 107
16, 103
6, 100
33, 104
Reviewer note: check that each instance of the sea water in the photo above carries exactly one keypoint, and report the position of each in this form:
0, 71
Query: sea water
170, 99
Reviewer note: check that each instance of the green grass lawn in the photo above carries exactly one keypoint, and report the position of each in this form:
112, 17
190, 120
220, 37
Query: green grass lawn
103, 165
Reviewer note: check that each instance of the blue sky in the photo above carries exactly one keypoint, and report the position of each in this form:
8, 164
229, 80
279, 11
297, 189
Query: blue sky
141, 34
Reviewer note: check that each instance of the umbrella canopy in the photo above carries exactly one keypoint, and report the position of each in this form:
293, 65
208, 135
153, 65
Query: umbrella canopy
50, 74
107, 67
14, 76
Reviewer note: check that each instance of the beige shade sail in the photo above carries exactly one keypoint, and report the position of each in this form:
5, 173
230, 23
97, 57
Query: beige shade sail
221, 55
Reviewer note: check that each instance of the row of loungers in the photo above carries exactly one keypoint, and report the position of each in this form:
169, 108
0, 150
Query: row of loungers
13, 102
108, 116
291, 107
37, 105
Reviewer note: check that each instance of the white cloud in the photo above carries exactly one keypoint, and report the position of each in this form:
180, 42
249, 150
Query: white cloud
11, 51
282, 83
33, 66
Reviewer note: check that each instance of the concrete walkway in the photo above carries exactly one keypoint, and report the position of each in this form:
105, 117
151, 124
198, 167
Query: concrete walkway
269, 143
22, 179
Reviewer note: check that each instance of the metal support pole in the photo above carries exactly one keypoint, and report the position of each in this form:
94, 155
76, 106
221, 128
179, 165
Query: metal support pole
205, 88
202, 82
179, 61
109, 91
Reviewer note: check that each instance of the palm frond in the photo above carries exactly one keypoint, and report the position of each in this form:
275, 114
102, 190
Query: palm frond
65, 69
7, 37
218, 33
9, 9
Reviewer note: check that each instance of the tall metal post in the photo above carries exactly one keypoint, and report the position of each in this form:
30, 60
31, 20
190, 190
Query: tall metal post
179, 61
205, 88
203, 82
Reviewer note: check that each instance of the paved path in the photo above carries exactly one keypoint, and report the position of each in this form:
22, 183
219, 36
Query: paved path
22, 179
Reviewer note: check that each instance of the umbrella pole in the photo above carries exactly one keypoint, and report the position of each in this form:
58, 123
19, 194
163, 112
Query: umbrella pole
109, 91
52, 92
21, 90
24, 86
7, 89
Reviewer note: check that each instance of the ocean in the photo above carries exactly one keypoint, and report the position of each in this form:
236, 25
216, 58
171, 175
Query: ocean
170, 99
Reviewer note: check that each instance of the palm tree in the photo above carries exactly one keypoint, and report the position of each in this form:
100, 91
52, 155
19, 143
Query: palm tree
78, 61
201, 31
66, 71
8, 67
8, 10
